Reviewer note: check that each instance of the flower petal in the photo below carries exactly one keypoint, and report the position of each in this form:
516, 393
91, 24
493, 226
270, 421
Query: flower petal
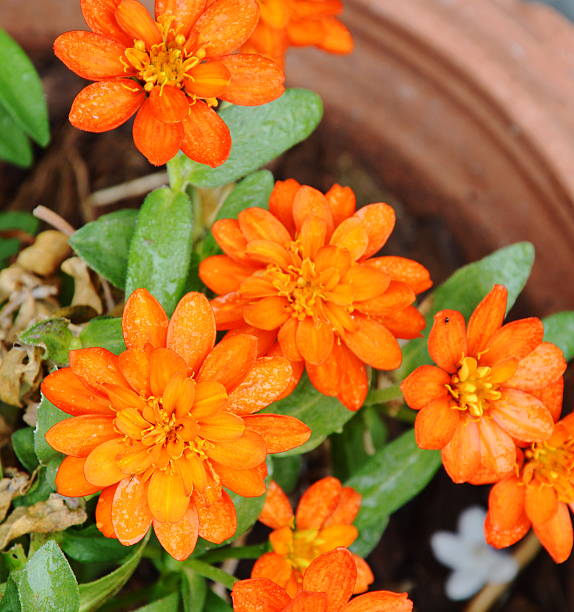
104, 512
91, 56
217, 519
447, 340
280, 432
272, 566
486, 319
333, 573
281, 202
352, 235
379, 221
165, 364
105, 105
169, 104
404, 270
156, 140
255, 80
208, 80
310, 202
247, 483
268, 313
259, 224
353, 382
135, 368
380, 600
367, 283
436, 423
97, 366
185, 12
498, 450
277, 511
523, 416
131, 516
80, 435
374, 344
101, 467
144, 321
461, 456
540, 502
395, 298
206, 137
259, 594
191, 330
230, 361
516, 339
244, 453
179, 538
318, 503
222, 427
70, 479
166, 496
66, 391
407, 323
223, 274
314, 340
228, 311
133, 18
424, 385
230, 238
556, 534
506, 521
543, 366
308, 602
100, 17
342, 202
551, 396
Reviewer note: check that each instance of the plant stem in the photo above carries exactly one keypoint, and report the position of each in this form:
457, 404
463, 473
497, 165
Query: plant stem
382, 396
211, 573
237, 552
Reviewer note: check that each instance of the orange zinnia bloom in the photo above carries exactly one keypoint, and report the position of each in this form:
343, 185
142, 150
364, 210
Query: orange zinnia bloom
494, 385
299, 23
538, 495
323, 522
327, 586
163, 427
303, 274
172, 70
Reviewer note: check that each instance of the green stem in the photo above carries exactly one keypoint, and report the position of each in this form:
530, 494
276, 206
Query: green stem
235, 552
211, 573
382, 396
401, 413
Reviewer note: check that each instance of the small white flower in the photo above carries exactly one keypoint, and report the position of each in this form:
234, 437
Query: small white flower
473, 561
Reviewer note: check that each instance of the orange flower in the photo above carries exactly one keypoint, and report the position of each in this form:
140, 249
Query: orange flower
538, 496
173, 69
327, 586
303, 274
299, 23
324, 522
494, 385
163, 427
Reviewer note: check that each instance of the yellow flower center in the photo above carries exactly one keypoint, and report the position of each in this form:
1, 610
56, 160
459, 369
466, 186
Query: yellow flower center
472, 387
551, 466
304, 548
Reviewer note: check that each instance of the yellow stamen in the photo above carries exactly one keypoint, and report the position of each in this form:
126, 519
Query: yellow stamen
551, 465
472, 387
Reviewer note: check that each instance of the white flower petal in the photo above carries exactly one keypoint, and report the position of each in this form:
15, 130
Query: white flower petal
463, 584
471, 524
448, 548
503, 568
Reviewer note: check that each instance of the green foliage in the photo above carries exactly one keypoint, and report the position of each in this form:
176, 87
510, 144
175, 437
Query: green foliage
160, 251
559, 329
48, 415
15, 147
286, 471
105, 332
165, 604
88, 545
23, 445
193, 591
13, 220
214, 603
54, 335
324, 415
387, 481
259, 133
104, 244
463, 291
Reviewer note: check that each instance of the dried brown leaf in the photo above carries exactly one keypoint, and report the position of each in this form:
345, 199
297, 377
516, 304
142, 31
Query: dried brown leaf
84, 292
20, 372
46, 254
10, 488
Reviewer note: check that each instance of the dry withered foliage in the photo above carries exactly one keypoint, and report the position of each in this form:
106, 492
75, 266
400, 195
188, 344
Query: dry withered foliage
10, 488
85, 293
20, 374
46, 254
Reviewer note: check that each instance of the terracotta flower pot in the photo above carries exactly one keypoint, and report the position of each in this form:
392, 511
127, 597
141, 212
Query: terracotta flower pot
464, 108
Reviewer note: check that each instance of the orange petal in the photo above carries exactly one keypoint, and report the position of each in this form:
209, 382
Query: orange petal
318, 503
228, 311
506, 521
447, 340
208, 80
222, 274
522, 416
165, 364
436, 423
91, 56
179, 538
404, 270
353, 382
105, 105
342, 202
268, 313
544, 365
337, 535
309, 202
380, 600
280, 432
367, 283
308, 602
541, 502
365, 576
498, 450
379, 221
486, 319
244, 453
281, 202
70, 479
135, 368
229, 237
66, 391
226, 25
255, 80
374, 344
407, 323
424, 385
217, 519
131, 516
133, 18
267, 252
326, 378
461, 456
96, 366
156, 140
80, 435
222, 427
551, 396
516, 339
314, 340
259, 224
104, 512
184, 12
100, 17
556, 534
333, 573
277, 511
247, 483
259, 594
166, 497
288, 339
101, 467
191, 331
272, 566
230, 361
395, 299
206, 137
210, 398
352, 235
169, 104
179, 396
144, 321
266, 380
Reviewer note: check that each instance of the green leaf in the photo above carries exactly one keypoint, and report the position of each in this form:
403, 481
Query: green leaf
259, 133
559, 329
15, 146
253, 190
47, 582
105, 332
104, 244
54, 335
88, 545
286, 471
214, 603
193, 590
166, 604
15, 219
324, 415
23, 445
161, 248
463, 291
388, 480
10, 601
43, 487
95, 594
21, 90
48, 415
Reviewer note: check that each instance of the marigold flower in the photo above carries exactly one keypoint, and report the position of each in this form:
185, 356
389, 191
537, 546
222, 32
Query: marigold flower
323, 522
171, 70
299, 23
327, 586
494, 385
302, 277
538, 495
164, 426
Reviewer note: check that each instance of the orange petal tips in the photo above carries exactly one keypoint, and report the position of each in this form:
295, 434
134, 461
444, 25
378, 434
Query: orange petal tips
165, 427
303, 276
493, 386
172, 69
